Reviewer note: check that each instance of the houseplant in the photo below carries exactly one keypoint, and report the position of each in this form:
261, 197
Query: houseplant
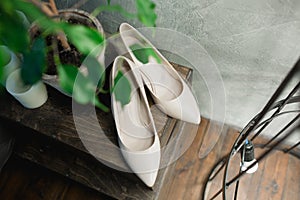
30, 96
14, 34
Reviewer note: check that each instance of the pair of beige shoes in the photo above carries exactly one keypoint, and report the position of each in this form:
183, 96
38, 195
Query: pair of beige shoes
138, 139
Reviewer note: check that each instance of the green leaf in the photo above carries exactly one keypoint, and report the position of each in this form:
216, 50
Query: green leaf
95, 70
108, 2
84, 90
34, 14
7, 6
73, 82
122, 88
84, 38
67, 76
34, 62
145, 12
81, 87
4, 60
4, 56
143, 53
100, 105
13, 33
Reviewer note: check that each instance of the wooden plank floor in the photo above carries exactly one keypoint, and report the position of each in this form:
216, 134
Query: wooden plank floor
278, 177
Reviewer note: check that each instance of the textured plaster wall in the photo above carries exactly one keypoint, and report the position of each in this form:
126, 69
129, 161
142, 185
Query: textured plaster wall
253, 43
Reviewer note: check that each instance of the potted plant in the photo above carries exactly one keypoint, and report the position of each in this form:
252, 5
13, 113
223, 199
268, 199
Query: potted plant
34, 47
30, 96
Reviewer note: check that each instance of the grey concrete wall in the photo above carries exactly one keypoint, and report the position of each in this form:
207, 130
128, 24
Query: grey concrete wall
253, 43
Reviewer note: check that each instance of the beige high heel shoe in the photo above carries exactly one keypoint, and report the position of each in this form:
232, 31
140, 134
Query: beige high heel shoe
169, 91
138, 139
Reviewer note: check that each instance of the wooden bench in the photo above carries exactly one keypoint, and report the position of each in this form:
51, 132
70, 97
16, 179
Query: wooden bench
48, 136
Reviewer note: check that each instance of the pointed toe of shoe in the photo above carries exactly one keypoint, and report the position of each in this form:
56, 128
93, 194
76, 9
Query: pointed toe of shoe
188, 113
191, 115
170, 92
145, 164
137, 135
184, 107
148, 178
190, 109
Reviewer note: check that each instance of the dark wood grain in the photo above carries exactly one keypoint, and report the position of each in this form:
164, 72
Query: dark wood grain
87, 170
23, 180
80, 167
51, 138
56, 120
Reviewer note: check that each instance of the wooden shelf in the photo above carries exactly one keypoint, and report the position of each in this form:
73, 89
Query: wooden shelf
48, 136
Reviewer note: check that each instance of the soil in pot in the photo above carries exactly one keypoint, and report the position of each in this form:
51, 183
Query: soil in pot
67, 56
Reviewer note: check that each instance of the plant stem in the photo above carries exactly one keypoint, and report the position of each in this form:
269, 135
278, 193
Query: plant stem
61, 36
100, 105
103, 91
55, 53
53, 6
43, 7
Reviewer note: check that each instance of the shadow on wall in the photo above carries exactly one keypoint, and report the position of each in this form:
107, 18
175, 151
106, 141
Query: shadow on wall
291, 111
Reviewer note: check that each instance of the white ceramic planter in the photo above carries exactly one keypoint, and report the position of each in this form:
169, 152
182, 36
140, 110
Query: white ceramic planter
32, 96
11, 65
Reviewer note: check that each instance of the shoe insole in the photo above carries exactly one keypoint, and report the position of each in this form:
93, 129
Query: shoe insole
164, 83
160, 81
134, 122
141, 49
